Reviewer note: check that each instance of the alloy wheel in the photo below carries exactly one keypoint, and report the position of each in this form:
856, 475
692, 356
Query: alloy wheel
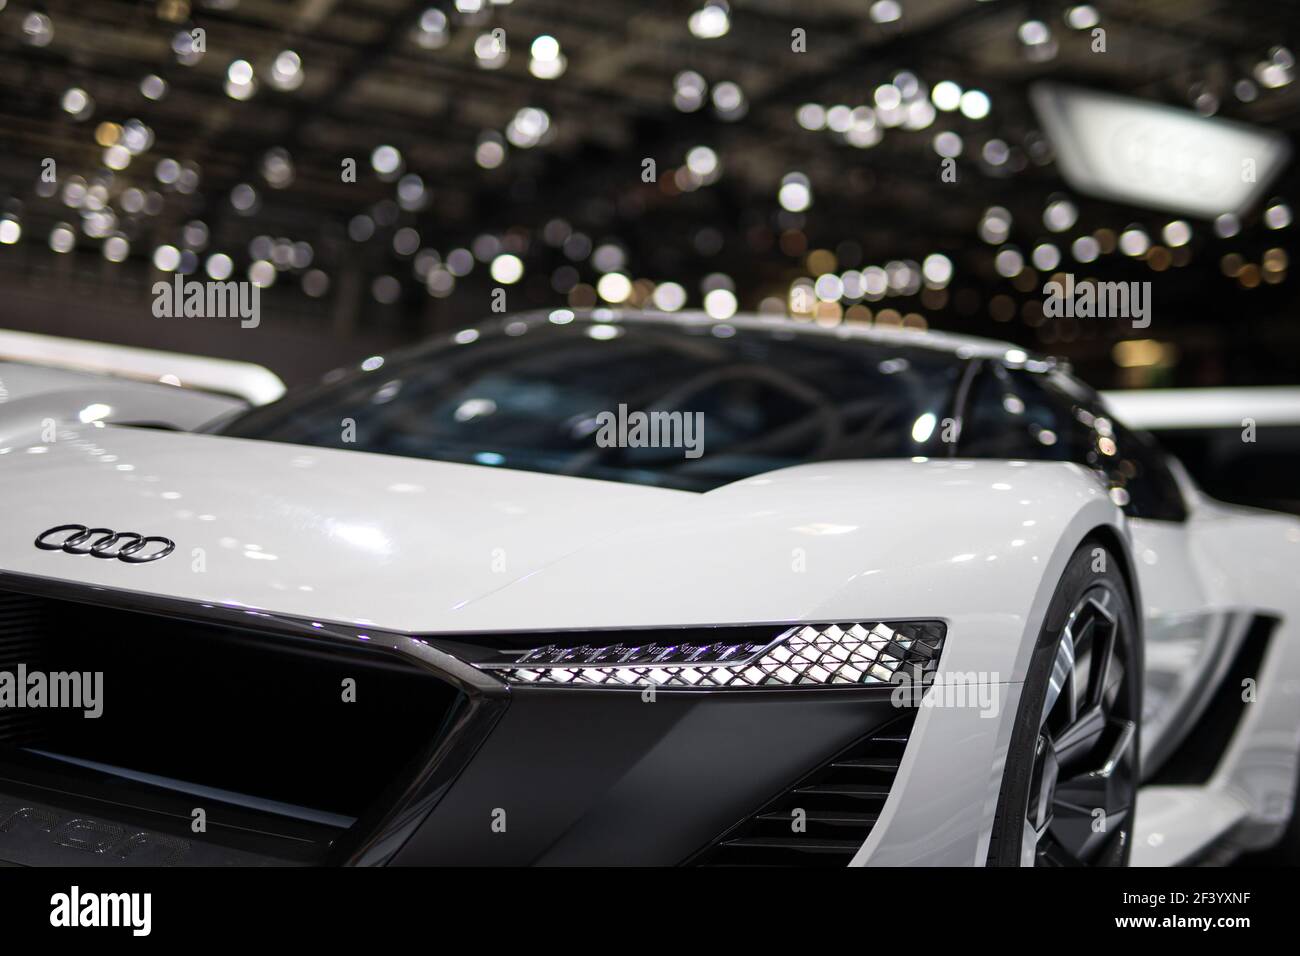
1084, 780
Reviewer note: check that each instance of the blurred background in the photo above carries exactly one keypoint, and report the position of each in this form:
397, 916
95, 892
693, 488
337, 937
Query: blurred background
761, 155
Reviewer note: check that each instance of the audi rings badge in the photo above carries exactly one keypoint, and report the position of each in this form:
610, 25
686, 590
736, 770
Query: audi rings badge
128, 546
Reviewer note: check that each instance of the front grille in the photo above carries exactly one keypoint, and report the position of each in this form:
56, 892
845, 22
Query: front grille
824, 818
254, 728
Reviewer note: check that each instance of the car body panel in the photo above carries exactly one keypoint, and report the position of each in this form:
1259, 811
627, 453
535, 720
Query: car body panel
1254, 555
498, 550
442, 550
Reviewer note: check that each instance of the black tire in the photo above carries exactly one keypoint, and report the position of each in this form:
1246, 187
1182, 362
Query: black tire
1092, 590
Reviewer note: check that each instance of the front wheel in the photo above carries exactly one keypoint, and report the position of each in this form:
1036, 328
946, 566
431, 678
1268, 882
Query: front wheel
1070, 786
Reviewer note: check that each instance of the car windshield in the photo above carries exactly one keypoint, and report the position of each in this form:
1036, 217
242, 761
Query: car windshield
691, 406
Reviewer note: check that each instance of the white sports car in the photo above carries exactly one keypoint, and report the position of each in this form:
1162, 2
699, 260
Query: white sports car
634, 589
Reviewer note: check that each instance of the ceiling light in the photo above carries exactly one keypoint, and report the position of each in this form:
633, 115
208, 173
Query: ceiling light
885, 11
946, 95
975, 104
1084, 16
710, 21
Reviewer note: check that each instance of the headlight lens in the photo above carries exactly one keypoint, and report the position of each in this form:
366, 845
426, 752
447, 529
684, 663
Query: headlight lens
852, 654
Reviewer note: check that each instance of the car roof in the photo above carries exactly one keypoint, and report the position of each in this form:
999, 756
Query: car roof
963, 346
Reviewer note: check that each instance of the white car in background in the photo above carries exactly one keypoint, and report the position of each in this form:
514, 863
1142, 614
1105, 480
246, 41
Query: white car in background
1240, 444
921, 600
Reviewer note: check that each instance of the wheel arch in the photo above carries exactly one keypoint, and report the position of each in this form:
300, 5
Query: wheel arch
1110, 537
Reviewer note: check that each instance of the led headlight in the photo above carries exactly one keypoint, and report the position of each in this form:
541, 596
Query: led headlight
854, 654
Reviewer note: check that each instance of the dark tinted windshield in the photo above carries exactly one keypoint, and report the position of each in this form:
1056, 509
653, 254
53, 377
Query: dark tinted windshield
689, 408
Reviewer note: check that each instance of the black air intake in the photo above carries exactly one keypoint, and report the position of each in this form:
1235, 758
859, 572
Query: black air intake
251, 726
824, 819
1197, 757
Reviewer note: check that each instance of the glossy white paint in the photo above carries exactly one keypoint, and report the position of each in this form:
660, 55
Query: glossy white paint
1222, 564
32, 399
429, 546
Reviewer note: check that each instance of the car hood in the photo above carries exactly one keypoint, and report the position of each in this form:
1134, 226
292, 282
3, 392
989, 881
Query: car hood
415, 545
